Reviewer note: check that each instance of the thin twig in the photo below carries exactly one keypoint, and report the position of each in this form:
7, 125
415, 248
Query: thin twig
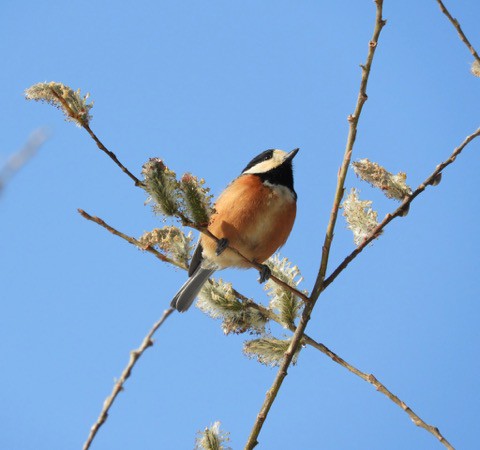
399, 211
99, 143
370, 378
459, 30
297, 337
118, 387
352, 134
130, 239
112, 156
22, 156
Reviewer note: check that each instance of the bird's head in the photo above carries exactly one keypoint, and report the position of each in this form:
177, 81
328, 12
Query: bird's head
274, 167
270, 160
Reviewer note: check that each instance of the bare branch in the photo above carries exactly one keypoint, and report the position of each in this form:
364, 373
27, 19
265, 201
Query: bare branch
129, 239
318, 287
460, 32
352, 133
99, 143
380, 388
118, 387
112, 156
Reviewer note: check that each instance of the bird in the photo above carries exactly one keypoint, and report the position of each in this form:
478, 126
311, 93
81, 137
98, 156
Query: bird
254, 215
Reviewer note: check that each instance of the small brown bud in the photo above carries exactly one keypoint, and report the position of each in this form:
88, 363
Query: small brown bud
436, 180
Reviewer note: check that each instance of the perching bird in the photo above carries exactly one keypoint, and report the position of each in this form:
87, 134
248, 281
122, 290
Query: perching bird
254, 215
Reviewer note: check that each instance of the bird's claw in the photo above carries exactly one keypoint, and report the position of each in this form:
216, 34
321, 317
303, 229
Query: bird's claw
265, 273
222, 244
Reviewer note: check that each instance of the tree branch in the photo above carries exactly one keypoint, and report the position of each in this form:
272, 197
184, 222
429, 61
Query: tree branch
112, 155
370, 378
99, 143
129, 239
118, 387
400, 210
297, 337
459, 30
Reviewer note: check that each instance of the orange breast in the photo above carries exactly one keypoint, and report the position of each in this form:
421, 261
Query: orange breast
255, 218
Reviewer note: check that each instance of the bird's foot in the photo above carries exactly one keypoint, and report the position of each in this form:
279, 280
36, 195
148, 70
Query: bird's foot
222, 244
265, 273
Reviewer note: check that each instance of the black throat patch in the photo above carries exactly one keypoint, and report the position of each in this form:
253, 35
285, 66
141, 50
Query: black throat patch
281, 175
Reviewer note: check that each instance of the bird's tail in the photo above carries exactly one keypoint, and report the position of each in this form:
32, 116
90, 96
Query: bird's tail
187, 293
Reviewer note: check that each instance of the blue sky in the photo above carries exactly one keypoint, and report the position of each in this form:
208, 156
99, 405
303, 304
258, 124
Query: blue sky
206, 86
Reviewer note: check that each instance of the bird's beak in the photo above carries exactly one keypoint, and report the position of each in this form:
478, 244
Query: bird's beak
291, 155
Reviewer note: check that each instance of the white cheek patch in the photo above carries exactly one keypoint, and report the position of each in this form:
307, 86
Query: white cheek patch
276, 160
262, 167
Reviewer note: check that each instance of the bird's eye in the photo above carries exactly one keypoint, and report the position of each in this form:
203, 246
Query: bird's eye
266, 158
